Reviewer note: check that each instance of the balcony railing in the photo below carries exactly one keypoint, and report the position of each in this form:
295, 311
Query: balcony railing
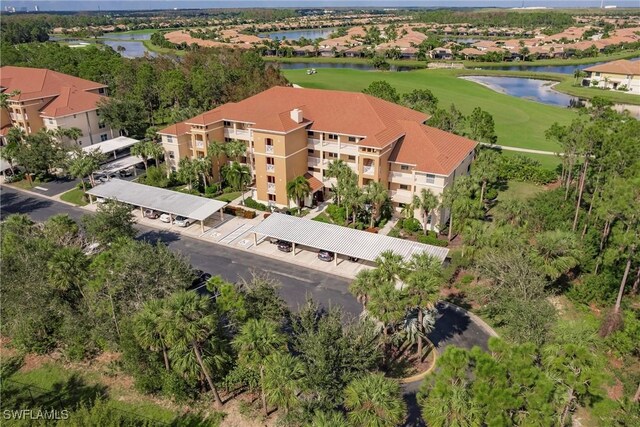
271, 187
400, 177
199, 144
269, 149
349, 149
244, 134
316, 162
368, 170
271, 168
401, 196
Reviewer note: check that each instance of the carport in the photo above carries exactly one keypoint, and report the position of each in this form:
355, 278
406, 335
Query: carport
338, 239
159, 199
111, 146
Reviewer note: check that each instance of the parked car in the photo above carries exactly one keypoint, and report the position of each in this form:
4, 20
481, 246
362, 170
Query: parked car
101, 200
354, 259
182, 221
151, 214
325, 256
285, 246
125, 172
106, 177
165, 217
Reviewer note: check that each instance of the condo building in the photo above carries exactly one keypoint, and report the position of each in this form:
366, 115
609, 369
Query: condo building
45, 99
291, 132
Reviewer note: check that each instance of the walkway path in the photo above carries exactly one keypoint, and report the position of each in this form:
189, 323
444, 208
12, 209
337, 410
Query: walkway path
522, 150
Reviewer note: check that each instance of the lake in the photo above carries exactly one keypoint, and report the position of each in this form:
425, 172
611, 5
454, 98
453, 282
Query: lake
133, 49
127, 36
563, 69
320, 65
314, 33
539, 91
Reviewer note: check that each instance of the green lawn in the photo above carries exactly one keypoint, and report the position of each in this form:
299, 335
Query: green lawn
74, 196
520, 190
51, 385
228, 197
519, 122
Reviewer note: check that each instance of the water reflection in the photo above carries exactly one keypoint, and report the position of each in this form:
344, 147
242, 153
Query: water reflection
133, 49
563, 69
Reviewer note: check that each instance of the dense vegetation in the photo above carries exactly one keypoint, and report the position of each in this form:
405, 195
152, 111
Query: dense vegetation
151, 91
499, 18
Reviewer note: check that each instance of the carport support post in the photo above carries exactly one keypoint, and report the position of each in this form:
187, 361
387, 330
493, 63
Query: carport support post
202, 225
335, 258
141, 211
90, 199
221, 215
255, 239
293, 245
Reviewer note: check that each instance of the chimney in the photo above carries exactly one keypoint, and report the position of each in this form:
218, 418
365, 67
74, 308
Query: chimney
296, 115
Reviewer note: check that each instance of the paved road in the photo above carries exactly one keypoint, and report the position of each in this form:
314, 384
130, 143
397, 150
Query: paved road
521, 150
454, 326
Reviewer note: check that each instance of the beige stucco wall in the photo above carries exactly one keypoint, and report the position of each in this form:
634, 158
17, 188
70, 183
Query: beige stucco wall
88, 122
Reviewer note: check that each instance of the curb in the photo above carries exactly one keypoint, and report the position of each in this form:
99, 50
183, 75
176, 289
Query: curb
484, 325
422, 375
53, 198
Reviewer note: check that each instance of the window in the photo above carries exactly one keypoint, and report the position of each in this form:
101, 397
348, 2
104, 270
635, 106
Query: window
74, 116
50, 121
332, 136
312, 152
597, 74
271, 179
352, 139
270, 161
404, 187
352, 158
469, 168
171, 155
101, 125
103, 137
101, 91
169, 138
227, 139
272, 197
404, 167
226, 123
430, 179
310, 133
268, 141
173, 169
331, 155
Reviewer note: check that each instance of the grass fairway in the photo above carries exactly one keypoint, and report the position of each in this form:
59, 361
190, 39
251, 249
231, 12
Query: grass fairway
519, 122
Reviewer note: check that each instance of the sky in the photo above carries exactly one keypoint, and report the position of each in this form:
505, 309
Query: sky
84, 5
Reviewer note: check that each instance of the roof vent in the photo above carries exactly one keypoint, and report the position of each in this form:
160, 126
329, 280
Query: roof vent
296, 115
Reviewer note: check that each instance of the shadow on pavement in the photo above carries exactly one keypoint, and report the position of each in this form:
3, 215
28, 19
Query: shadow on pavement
414, 417
153, 236
10, 203
450, 323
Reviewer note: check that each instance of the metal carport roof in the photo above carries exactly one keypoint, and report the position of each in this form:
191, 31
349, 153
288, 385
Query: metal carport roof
111, 145
159, 199
339, 239
120, 164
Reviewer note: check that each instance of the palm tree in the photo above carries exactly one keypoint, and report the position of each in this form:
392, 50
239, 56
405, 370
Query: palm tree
257, 339
363, 285
374, 401
201, 166
215, 150
147, 328
391, 267
74, 133
449, 197
426, 202
423, 289
328, 419
485, 170
298, 189
377, 195
68, 269
283, 374
558, 251
140, 148
235, 149
387, 307
190, 327
155, 151
84, 164
238, 176
336, 169
187, 171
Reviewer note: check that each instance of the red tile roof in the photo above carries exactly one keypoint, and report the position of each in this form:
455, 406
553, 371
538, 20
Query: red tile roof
341, 112
622, 66
71, 100
314, 183
177, 129
40, 83
430, 149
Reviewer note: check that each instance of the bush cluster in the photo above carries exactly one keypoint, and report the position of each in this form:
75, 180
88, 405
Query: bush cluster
251, 203
521, 168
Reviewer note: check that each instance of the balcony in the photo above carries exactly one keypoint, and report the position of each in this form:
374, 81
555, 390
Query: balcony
269, 149
401, 196
271, 168
271, 188
368, 170
401, 178
242, 134
351, 150
316, 162
332, 147
199, 144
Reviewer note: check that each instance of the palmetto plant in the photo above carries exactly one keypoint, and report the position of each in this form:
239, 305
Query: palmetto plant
377, 195
374, 401
235, 149
298, 189
215, 150
147, 328
282, 380
426, 201
238, 176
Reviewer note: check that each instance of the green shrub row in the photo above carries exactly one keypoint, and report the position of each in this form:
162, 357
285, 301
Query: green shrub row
238, 211
521, 168
251, 203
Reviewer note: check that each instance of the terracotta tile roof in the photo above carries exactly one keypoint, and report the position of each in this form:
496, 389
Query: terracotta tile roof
177, 129
314, 183
40, 83
349, 113
622, 66
71, 100
430, 149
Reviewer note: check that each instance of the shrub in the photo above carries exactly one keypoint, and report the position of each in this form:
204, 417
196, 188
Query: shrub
156, 177
466, 279
226, 190
251, 203
431, 239
411, 225
395, 232
337, 213
212, 190
322, 218
521, 168
491, 193
382, 222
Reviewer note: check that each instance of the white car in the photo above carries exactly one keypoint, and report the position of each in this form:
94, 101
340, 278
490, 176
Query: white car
165, 217
182, 221
101, 200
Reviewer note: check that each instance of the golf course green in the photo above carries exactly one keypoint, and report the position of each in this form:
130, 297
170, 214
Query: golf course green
518, 122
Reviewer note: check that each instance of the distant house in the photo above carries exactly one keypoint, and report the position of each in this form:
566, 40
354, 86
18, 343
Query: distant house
616, 75
440, 53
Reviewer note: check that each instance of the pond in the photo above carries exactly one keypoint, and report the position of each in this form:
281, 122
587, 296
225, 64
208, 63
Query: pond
314, 33
563, 69
133, 49
127, 36
319, 65
539, 91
